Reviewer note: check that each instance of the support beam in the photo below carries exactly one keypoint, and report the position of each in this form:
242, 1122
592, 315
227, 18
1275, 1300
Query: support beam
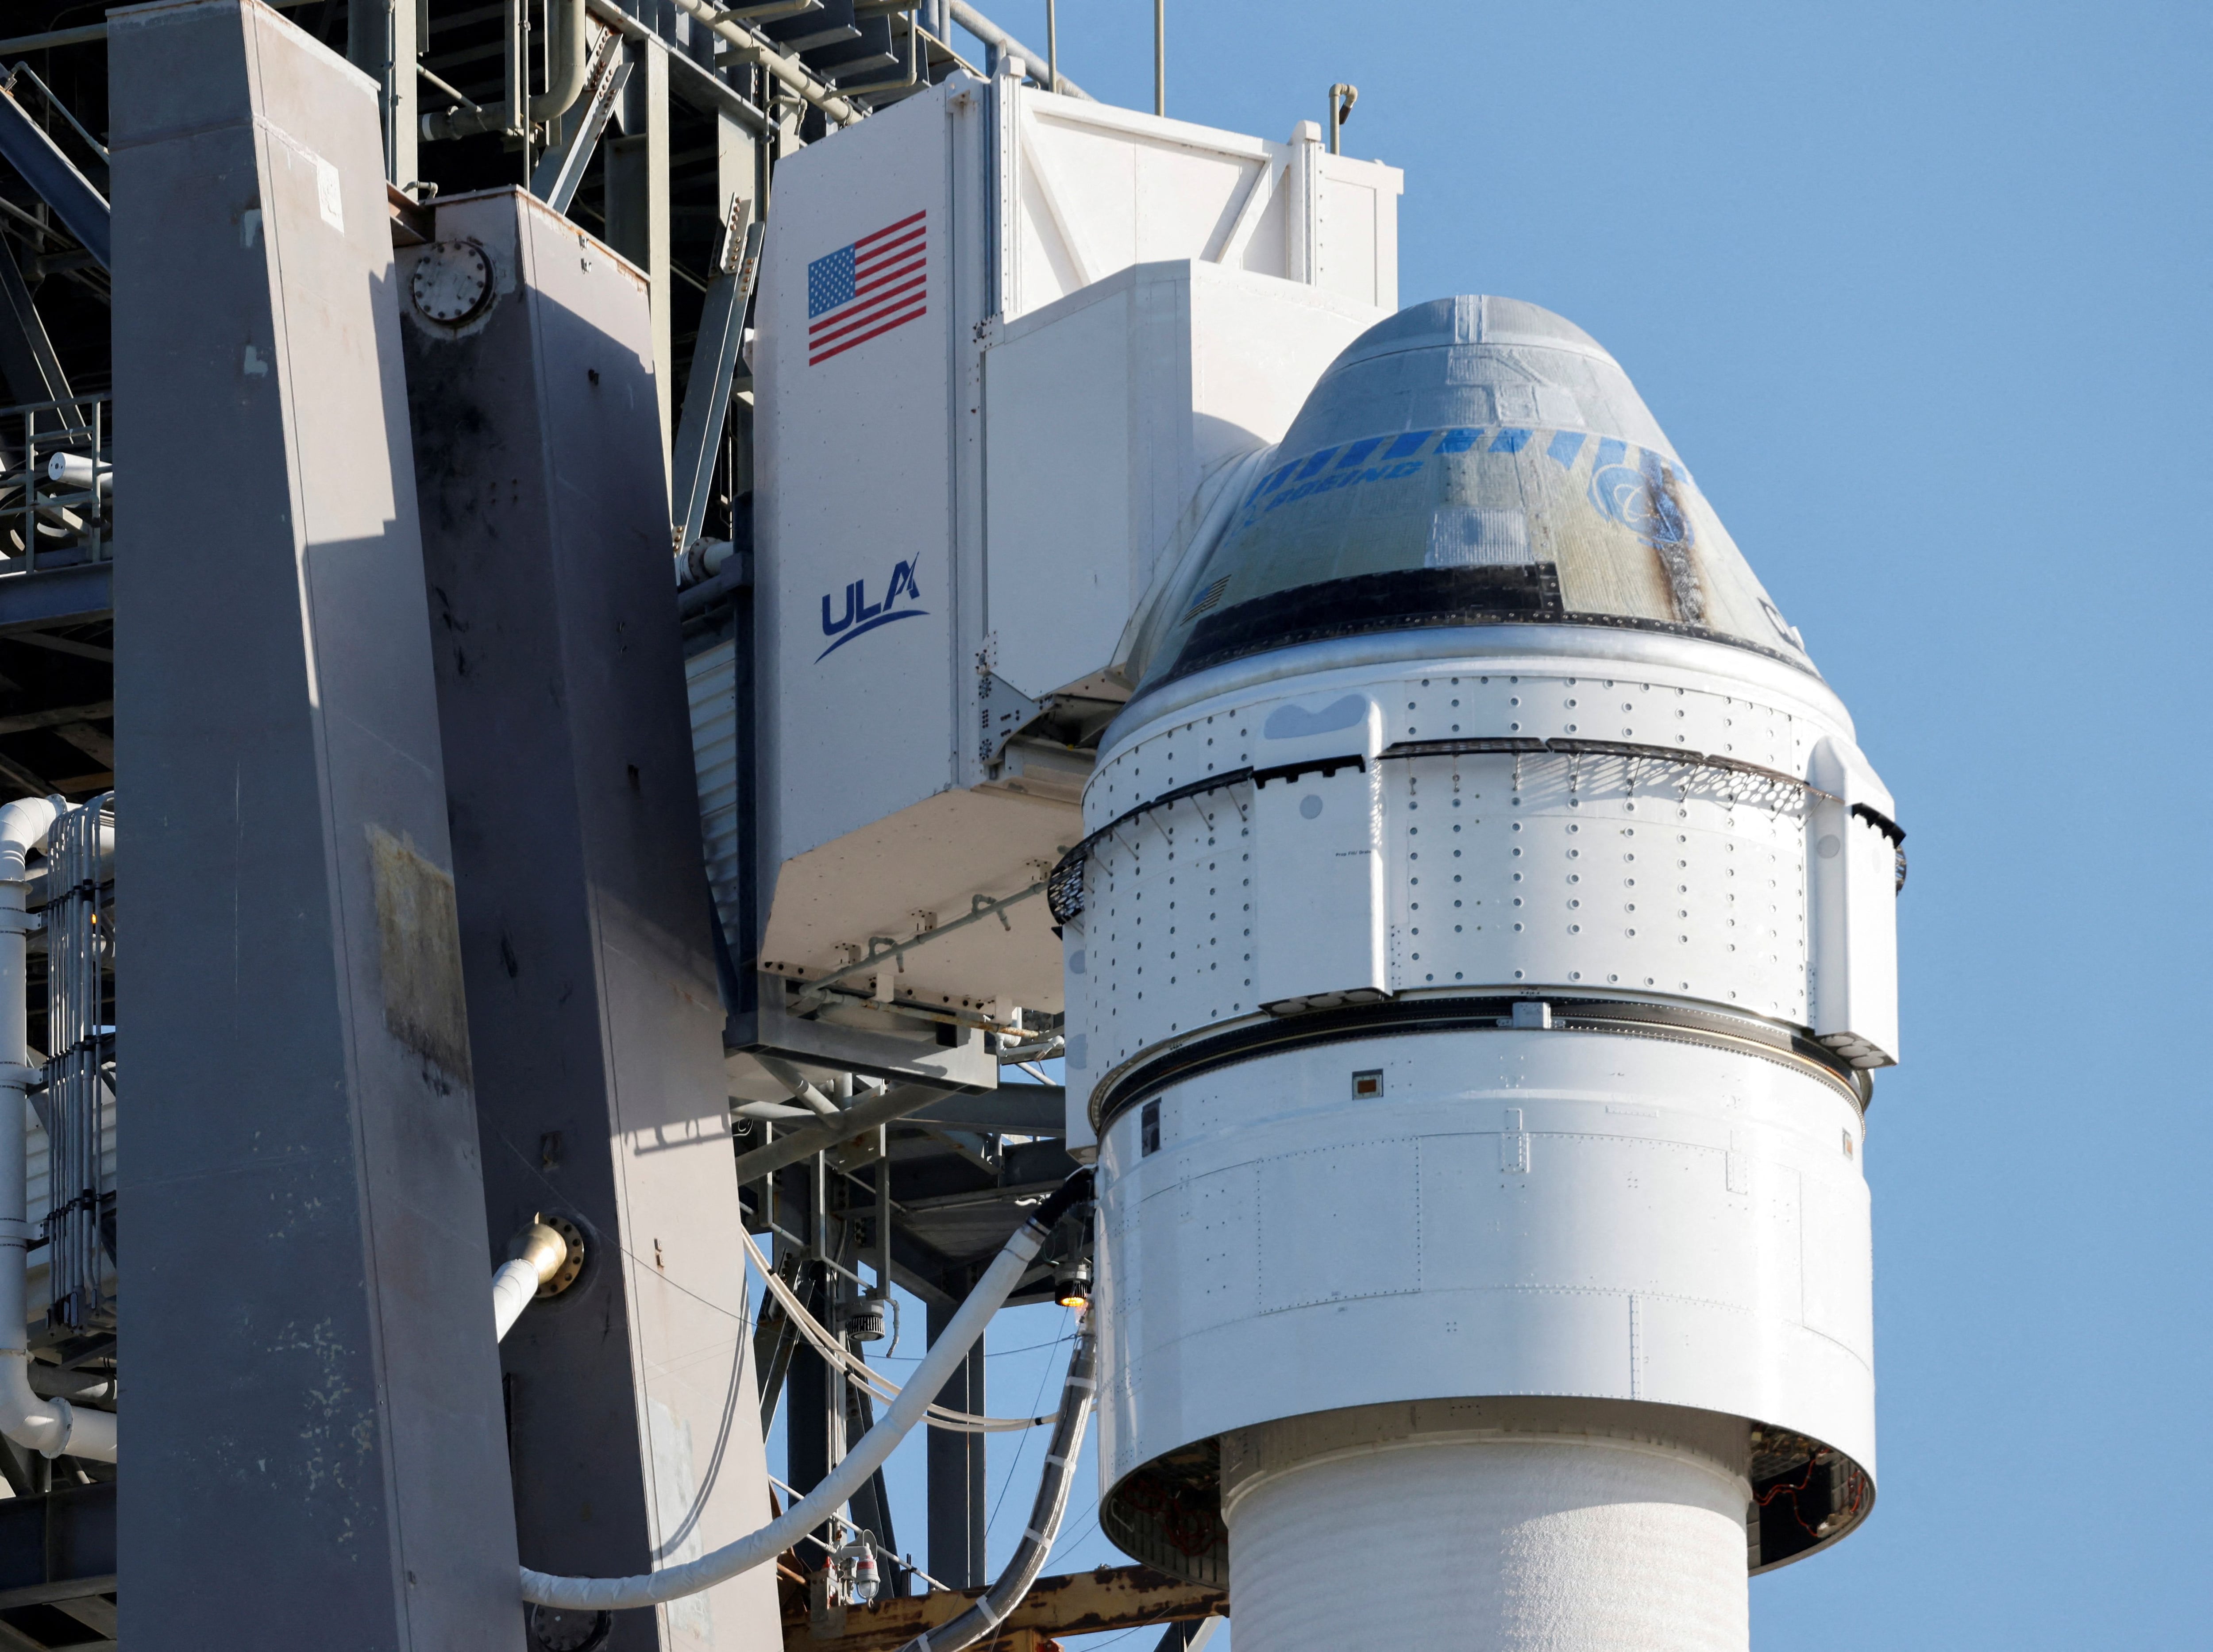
561, 168
29, 370
638, 206
960, 1493
315, 1396
586, 950
1112, 1598
54, 176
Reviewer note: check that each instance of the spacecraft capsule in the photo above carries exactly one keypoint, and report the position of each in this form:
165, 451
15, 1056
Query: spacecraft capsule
1482, 941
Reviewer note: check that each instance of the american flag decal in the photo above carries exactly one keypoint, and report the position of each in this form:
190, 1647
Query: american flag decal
862, 291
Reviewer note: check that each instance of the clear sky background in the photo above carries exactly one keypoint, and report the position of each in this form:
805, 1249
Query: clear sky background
1920, 292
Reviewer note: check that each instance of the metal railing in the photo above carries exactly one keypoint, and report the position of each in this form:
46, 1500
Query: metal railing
56, 485
80, 1096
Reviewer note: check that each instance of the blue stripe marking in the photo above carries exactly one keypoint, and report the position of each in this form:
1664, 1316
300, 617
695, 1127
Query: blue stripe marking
1565, 446
1410, 442
1359, 451
1511, 441
1610, 451
1459, 440
865, 629
1317, 462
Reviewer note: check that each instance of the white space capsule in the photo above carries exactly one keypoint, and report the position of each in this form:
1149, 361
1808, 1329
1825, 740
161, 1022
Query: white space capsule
1483, 937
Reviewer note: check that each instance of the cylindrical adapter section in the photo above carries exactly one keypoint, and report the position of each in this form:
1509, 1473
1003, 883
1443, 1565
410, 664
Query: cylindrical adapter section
1573, 1524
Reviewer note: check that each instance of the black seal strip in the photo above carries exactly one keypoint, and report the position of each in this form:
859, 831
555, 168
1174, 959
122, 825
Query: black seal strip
1397, 1017
1414, 598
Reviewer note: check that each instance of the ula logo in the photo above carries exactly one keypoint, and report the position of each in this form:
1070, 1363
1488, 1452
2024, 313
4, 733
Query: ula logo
862, 616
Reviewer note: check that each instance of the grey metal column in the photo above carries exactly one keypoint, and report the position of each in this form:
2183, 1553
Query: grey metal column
312, 1448
636, 174
594, 1009
959, 1490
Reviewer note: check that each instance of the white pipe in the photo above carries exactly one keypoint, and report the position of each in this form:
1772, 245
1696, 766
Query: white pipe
654, 1588
514, 1288
78, 470
536, 1255
751, 49
567, 63
569, 59
52, 1428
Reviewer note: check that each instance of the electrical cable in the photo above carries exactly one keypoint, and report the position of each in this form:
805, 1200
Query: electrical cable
1020, 1446
999, 1601
832, 1347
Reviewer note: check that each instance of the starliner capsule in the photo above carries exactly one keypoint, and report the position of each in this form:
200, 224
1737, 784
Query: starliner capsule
1476, 962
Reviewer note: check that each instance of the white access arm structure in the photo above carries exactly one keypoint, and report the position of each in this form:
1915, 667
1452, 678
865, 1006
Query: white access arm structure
1471, 916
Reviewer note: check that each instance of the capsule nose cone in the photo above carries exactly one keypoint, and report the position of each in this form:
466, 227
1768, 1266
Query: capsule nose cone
1482, 362
1470, 461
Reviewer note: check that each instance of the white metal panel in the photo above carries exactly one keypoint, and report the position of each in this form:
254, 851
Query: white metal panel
1321, 1237
854, 481
1169, 918
1057, 509
1098, 188
1497, 870
1623, 1264
1854, 901
1104, 413
911, 872
1357, 230
1318, 886
1102, 188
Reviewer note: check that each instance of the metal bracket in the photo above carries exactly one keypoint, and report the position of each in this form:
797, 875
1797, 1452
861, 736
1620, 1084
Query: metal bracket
1002, 712
561, 169
714, 369
817, 992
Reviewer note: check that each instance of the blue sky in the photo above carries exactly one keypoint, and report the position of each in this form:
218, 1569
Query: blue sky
1920, 293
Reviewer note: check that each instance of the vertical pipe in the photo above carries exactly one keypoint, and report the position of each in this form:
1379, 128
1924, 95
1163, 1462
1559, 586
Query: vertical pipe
1052, 45
1160, 56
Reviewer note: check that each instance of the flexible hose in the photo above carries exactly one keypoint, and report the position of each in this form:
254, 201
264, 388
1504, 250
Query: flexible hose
1004, 1595
837, 1489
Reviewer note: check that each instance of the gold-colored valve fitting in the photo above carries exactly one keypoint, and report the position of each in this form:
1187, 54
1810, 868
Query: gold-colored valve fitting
554, 1245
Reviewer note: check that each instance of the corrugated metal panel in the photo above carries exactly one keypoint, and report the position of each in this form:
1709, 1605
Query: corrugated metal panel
712, 678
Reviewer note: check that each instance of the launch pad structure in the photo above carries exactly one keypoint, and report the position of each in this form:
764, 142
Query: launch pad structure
618, 616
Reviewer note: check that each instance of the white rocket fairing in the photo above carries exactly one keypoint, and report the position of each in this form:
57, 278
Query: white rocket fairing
1481, 942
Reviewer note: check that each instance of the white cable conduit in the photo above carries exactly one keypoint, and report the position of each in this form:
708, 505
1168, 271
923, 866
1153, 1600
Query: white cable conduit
832, 1347
837, 1489
54, 1427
